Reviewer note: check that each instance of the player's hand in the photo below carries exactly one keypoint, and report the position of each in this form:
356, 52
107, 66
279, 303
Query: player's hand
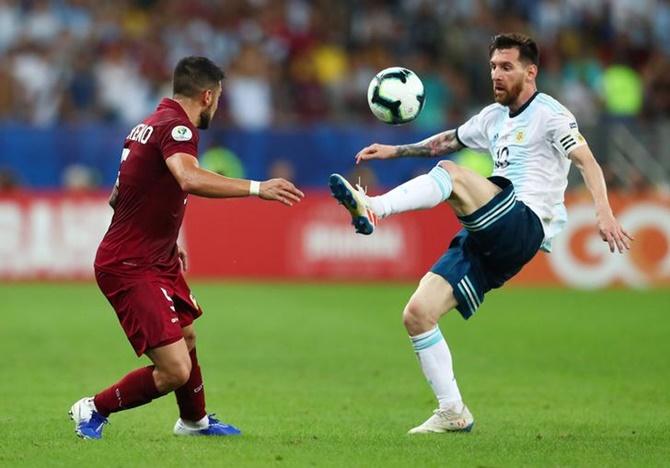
280, 190
612, 233
183, 257
376, 151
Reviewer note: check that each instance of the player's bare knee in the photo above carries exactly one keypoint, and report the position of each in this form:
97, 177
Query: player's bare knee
453, 169
181, 374
415, 317
176, 375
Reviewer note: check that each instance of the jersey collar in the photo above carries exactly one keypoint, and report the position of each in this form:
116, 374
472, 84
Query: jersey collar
525, 104
172, 104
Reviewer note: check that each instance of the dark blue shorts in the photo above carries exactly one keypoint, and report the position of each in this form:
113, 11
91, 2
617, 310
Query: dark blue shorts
497, 241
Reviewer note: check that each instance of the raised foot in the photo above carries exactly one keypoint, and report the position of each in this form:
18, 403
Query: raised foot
362, 217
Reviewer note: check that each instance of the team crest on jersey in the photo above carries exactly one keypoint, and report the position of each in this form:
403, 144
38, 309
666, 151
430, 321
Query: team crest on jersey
181, 133
520, 134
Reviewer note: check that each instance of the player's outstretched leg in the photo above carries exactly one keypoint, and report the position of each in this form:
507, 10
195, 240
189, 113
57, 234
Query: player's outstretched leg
171, 370
465, 190
135, 389
432, 299
422, 192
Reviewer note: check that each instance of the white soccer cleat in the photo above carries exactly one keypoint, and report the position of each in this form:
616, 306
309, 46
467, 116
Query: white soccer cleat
446, 420
88, 423
355, 201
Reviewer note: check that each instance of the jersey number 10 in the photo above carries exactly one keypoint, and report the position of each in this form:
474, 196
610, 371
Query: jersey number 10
502, 156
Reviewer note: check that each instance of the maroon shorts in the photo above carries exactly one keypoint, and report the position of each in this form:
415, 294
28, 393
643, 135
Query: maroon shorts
152, 309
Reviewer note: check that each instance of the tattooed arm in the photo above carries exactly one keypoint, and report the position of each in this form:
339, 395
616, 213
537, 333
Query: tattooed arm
437, 145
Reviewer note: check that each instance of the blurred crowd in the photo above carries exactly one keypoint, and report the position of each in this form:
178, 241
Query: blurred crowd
292, 62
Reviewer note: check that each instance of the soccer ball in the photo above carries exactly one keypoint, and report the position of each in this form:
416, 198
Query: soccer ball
396, 95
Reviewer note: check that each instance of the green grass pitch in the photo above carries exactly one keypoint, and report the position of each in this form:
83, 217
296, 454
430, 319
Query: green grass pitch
324, 375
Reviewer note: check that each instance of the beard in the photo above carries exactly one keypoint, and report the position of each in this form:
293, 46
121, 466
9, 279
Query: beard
507, 97
205, 119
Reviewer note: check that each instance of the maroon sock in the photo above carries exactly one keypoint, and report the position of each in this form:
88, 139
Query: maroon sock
135, 389
191, 395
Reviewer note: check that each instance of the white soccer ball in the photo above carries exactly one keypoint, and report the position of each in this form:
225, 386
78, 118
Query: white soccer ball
396, 95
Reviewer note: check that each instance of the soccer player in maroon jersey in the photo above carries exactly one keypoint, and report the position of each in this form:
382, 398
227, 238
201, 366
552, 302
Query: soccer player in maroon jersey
139, 264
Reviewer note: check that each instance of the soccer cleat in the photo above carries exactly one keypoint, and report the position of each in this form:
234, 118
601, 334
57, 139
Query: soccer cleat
88, 423
215, 428
446, 420
354, 200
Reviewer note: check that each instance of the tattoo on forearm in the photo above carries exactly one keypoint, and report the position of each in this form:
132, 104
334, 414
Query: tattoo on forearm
437, 145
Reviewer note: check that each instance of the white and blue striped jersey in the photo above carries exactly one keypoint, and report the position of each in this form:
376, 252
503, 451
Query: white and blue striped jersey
530, 147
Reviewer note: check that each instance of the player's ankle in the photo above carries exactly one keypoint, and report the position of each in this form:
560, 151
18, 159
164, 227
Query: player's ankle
454, 405
375, 205
202, 423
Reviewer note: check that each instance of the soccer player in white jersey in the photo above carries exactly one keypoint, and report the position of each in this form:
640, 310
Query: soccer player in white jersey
506, 218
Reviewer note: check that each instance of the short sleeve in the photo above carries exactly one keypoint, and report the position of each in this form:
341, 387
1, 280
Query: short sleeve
472, 133
178, 138
564, 133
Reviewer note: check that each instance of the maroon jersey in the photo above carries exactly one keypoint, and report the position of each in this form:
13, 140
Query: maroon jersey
150, 204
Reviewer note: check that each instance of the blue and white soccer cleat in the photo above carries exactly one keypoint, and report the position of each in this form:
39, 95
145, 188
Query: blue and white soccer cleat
354, 200
446, 420
88, 423
215, 428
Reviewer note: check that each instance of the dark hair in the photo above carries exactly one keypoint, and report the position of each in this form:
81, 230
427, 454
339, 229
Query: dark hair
528, 50
193, 75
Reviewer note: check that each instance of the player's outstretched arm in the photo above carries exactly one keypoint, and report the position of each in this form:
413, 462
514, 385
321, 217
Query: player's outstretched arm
198, 181
608, 226
437, 145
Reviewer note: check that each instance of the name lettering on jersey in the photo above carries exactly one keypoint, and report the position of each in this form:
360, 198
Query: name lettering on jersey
140, 133
181, 133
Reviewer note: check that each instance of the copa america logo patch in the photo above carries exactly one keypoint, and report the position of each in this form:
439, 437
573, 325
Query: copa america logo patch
181, 133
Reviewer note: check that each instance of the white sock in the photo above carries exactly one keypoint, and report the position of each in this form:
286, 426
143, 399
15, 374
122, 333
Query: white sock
202, 424
91, 403
435, 360
424, 191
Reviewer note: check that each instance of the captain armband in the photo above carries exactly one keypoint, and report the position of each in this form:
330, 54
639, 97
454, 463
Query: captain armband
571, 140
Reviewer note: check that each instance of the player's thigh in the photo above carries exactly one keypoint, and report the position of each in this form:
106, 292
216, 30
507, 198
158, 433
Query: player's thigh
145, 309
470, 191
433, 298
